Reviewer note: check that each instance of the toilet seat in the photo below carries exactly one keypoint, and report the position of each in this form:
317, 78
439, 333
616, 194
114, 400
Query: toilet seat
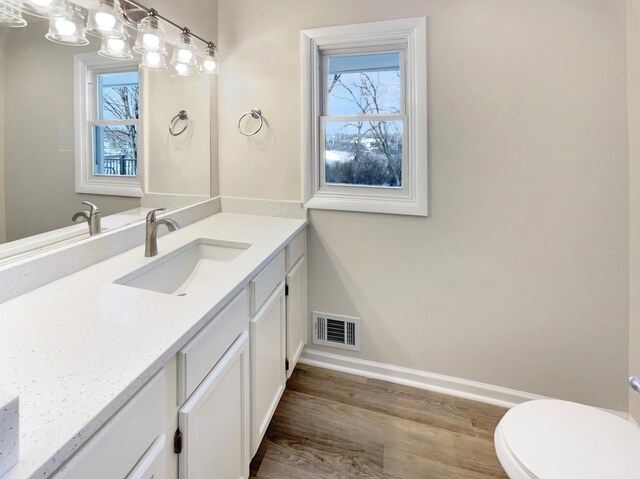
551, 439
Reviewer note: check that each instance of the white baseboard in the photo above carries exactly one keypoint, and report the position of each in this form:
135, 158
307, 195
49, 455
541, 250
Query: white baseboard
464, 388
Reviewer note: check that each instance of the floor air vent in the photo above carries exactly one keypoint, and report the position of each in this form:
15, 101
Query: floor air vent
336, 331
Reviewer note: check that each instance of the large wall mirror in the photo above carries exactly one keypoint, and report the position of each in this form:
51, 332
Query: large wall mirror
75, 126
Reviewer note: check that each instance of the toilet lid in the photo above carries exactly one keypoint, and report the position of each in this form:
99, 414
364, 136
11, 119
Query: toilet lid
558, 439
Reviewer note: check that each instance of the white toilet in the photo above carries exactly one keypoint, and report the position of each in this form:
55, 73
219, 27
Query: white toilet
551, 439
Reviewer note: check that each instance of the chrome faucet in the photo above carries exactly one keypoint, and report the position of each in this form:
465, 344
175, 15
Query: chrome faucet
151, 238
92, 217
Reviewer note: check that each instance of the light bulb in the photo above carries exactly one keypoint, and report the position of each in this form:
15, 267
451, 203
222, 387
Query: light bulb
150, 41
184, 56
65, 27
181, 68
115, 44
209, 63
42, 3
153, 58
105, 21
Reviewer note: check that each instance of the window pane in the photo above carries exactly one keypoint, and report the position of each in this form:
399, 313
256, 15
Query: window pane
118, 96
364, 84
115, 150
367, 153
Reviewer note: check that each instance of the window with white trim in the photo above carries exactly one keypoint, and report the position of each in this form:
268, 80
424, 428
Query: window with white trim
107, 126
364, 115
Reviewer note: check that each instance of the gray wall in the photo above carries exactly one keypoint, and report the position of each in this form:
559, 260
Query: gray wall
201, 16
39, 149
633, 86
519, 277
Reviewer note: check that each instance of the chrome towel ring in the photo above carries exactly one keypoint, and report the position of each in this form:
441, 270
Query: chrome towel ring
256, 114
181, 116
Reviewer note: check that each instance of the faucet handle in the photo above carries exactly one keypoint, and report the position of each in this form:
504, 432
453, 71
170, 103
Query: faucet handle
93, 208
151, 215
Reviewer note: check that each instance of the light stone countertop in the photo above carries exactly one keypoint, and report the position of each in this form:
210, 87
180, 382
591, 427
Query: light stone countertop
77, 349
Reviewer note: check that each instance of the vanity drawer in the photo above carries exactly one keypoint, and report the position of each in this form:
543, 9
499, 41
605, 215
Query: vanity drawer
116, 448
202, 353
266, 281
295, 249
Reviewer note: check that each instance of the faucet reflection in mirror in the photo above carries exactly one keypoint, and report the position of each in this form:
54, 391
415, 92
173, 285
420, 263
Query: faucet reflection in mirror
108, 20
92, 217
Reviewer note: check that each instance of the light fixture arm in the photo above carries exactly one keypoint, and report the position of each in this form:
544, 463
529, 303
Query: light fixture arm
154, 12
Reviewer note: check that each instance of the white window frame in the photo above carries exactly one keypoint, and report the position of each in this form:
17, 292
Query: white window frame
411, 35
86, 66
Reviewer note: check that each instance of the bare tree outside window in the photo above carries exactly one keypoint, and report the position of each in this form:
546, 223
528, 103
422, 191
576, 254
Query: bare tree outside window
115, 143
364, 150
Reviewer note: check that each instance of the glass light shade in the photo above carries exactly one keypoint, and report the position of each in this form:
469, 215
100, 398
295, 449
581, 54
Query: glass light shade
43, 8
106, 21
154, 61
116, 48
185, 52
10, 16
209, 63
150, 36
182, 70
68, 29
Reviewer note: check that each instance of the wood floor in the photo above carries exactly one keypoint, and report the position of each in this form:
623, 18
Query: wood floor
338, 426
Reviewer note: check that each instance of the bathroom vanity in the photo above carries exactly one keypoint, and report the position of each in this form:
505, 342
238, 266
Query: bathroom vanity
159, 367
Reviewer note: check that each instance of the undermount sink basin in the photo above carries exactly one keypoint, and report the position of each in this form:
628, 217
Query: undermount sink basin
185, 268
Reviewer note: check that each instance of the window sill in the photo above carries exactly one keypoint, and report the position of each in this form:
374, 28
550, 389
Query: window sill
364, 205
132, 190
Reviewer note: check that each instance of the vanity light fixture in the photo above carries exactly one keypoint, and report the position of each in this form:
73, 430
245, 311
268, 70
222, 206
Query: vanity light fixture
43, 8
69, 28
106, 21
209, 63
116, 48
10, 16
150, 35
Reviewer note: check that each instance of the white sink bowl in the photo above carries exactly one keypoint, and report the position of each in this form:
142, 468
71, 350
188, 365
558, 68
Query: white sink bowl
184, 269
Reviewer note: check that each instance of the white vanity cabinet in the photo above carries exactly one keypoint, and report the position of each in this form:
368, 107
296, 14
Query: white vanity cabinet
214, 422
205, 414
213, 379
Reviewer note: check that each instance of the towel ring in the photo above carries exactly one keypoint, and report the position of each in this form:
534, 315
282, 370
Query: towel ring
255, 113
182, 115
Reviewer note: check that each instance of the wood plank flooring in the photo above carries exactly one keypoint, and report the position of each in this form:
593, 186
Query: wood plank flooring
331, 425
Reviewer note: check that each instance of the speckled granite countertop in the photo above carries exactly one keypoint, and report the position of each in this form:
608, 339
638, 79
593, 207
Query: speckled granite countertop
77, 349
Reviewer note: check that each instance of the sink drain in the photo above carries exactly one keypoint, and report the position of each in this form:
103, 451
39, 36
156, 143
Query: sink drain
182, 294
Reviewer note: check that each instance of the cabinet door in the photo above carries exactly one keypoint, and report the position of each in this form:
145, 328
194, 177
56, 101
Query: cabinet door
215, 420
296, 313
268, 354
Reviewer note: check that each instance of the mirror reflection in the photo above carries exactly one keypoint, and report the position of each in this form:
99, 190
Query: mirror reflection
78, 127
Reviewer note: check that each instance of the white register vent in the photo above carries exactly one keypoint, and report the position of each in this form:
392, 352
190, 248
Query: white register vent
336, 331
